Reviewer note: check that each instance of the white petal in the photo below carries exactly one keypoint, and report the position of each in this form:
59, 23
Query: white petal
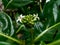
47, 1
34, 15
21, 16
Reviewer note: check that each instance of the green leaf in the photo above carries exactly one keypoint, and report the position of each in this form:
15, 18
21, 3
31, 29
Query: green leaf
58, 2
45, 31
51, 13
38, 27
57, 42
15, 3
11, 38
6, 24
4, 43
55, 12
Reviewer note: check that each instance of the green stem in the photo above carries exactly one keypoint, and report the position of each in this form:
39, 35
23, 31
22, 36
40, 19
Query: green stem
40, 7
32, 36
45, 31
31, 31
8, 4
13, 39
19, 28
55, 42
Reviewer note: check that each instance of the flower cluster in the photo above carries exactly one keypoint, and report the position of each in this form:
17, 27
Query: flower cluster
28, 19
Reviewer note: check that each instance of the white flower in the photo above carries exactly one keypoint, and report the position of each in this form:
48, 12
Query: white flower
47, 1
36, 17
20, 18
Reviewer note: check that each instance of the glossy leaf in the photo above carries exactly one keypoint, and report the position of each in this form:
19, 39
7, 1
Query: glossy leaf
6, 24
4, 43
58, 2
15, 3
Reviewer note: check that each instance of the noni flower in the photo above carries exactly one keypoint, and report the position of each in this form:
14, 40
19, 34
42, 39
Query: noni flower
28, 20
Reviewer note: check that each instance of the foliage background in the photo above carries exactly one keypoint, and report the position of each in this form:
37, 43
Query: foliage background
45, 31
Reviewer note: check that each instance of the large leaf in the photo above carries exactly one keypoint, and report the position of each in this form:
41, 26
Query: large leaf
6, 24
4, 43
50, 35
51, 16
15, 3
51, 13
58, 2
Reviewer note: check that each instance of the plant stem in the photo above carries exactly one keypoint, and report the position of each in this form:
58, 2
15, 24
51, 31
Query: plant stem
41, 8
31, 31
13, 39
55, 42
19, 28
45, 31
